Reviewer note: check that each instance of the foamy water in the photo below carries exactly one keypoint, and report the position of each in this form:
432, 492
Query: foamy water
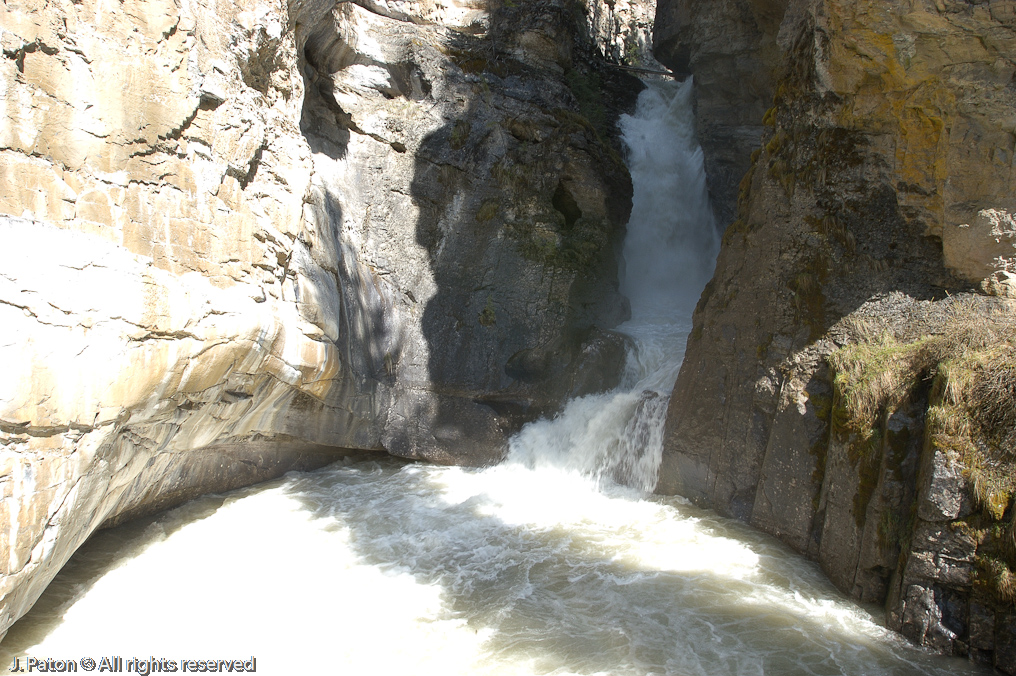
387, 568
556, 562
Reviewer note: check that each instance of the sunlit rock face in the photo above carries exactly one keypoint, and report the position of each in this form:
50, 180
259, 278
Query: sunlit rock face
622, 31
244, 237
861, 153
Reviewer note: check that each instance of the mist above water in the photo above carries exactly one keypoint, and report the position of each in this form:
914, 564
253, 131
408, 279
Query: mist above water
556, 562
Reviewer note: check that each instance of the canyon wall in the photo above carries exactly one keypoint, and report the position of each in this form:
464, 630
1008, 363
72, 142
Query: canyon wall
240, 238
861, 155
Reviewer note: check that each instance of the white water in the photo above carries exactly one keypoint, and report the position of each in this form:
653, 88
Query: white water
543, 565
668, 253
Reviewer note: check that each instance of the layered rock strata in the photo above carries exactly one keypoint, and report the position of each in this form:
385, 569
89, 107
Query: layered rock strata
876, 140
250, 237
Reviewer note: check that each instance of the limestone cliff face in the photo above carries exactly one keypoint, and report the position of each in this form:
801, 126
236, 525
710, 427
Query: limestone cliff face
244, 237
874, 138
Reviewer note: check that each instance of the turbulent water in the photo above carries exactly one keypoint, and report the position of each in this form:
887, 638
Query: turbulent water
555, 562
668, 255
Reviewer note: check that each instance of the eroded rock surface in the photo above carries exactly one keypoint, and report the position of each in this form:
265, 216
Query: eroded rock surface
249, 237
861, 153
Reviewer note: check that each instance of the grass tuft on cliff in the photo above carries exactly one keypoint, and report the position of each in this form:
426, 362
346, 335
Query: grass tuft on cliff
961, 355
969, 361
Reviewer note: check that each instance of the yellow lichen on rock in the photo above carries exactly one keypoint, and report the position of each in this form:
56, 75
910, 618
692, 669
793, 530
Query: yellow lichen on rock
932, 84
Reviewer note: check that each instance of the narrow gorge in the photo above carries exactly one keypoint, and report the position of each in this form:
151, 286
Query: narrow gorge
453, 251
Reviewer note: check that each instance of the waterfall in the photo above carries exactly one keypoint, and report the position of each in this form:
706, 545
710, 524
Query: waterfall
555, 562
672, 240
668, 257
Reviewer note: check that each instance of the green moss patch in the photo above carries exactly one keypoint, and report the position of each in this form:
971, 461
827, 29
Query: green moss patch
970, 365
460, 134
487, 317
587, 89
487, 211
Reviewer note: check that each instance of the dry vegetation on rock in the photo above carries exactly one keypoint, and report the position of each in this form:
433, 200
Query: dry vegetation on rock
966, 364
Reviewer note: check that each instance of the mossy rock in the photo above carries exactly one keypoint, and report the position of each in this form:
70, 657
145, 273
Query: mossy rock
587, 89
487, 316
487, 211
970, 363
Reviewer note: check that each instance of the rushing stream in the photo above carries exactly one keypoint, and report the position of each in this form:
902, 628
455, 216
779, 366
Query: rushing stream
555, 562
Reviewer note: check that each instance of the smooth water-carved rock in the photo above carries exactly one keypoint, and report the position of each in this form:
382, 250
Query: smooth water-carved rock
248, 238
